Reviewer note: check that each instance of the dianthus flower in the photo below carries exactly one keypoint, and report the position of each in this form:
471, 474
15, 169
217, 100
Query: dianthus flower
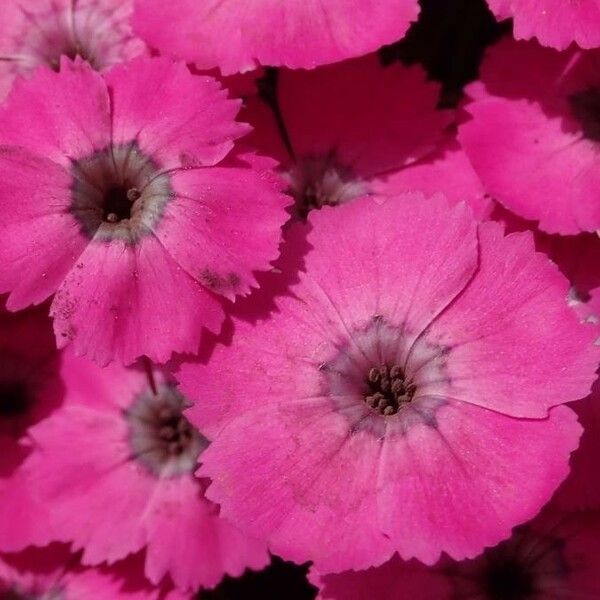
555, 557
39, 32
237, 38
397, 399
555, 24
30, 389
534, 135
116, 463
126, 200
53, 573
361, 129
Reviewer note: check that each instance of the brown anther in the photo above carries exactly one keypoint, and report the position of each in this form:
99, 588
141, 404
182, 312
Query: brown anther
374, 375
165, 413
175, 448
167, 433
395, 372
133, 194
387, 390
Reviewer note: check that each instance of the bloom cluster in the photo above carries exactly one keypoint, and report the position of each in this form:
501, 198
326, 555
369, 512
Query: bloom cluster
263, 294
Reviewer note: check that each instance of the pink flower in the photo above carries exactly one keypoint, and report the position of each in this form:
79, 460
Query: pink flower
535, 132
116, 464
360, 129
121, 200
397, 399
30, 389
53, 573
554, 23
220, 33
555, 556
39, 32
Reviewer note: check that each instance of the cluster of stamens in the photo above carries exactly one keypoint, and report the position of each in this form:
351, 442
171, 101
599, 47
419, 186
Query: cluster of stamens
173, 430
118, 202
388, 391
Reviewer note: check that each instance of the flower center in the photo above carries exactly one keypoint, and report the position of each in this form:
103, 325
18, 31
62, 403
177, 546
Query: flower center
118, 202
173, 430
509, 580
586, 109
14, 398
118, 192
318, 181
388, 390
161, 437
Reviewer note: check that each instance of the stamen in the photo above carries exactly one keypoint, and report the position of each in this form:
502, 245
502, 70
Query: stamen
388, 390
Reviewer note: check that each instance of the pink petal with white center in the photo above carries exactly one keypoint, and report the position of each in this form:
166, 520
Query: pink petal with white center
205, 541
109, 437
511, 329
198, 129
223, 223
554, 24
533, 135
392, 255
371, 118
37, 33
268, 32
117, 302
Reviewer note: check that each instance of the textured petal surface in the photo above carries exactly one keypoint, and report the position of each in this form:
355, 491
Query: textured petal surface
447, 171
372, 119
224, 223
185, 121
511, 332
36, 33
117, 302
207, 546
337, 294
297, 33
40, 239
111, 505
525, 140
553, 23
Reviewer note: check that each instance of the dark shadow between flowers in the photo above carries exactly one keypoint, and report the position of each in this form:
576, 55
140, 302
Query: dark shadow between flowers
279, 580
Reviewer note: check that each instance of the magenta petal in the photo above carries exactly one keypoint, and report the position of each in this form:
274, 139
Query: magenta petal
303, 34
394, 251
554, 24
313, 496
197, 129
223, 224
511, 329
117, 302
373, 119
209, 547
525, 139
428, 494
